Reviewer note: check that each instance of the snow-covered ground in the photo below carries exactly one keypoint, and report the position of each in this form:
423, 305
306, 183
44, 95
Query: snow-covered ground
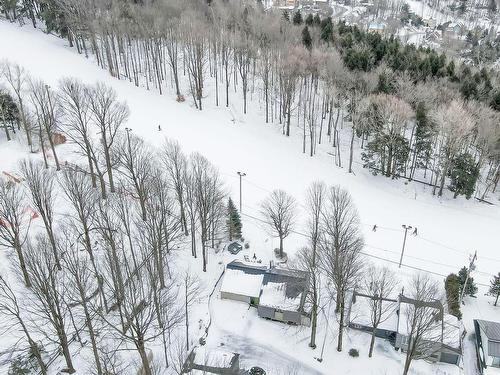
448, 230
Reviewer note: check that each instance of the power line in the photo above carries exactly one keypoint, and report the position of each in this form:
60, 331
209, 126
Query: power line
387, 228
378, 257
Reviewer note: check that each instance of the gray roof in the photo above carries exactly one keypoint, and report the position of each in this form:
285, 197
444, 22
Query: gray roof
490, 329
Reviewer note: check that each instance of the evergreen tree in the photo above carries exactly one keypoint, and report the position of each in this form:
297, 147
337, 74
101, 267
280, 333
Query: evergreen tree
464, 173
471, 287
309, 20
317, 20
326, 30
423, 137
495, 101
386, 84
297, 18
234, 225
495, 287
306, 38
452, 287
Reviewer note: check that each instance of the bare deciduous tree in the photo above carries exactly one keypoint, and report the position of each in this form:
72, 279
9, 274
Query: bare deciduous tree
176, 163
49, 297
46, 108
378, 284
423, 316
209, 198
14, 223
279, 211
40, 183
341, 247
12, 311
108, 115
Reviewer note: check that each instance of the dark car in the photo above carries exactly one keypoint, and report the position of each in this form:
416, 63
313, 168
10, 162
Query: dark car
256, 371
234, 248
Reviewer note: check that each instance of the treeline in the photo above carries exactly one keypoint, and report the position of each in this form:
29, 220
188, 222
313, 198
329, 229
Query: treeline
333, 83
100, 265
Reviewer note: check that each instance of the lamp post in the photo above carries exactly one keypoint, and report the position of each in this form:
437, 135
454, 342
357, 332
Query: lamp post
406, 228
241, 174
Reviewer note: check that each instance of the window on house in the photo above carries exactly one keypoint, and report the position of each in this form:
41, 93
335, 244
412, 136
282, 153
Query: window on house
496, 362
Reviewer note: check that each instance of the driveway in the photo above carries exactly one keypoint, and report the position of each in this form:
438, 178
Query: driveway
273, 361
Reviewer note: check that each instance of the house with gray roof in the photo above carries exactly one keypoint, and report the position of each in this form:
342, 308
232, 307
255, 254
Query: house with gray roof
488, 345
279, 294
444, 340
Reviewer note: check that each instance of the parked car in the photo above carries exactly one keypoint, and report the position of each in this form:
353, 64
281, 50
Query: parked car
256, 371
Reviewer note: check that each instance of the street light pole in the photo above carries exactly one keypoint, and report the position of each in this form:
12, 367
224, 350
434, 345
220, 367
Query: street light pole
406, 228
241, 174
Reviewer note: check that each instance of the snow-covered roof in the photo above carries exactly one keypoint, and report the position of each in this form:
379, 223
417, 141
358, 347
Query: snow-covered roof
242, 283
275, 295
361, 310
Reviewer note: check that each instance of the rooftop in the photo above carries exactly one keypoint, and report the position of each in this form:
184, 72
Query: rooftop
360, 313
490, 329
239, 282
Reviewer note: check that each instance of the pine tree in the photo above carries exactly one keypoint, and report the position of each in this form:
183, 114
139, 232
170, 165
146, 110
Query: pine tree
464, 173
297, 18
495, 101
309, 20
495, 287
326, 29
233, 221
317, 20
471, 287
423, 137
306, 38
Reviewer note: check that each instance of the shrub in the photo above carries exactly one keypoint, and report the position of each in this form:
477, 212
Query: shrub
247, 245
354, 352
452, 286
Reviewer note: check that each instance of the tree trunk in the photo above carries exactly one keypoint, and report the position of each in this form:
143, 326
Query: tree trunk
372, 343
351, 149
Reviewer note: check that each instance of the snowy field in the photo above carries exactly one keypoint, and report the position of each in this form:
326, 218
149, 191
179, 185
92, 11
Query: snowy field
448, 229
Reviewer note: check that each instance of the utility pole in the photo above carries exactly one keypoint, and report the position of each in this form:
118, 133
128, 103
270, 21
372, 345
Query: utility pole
471, 267
128, 130
406, 228
241, 174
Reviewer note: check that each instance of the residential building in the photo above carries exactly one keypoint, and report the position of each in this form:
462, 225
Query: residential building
279, 294
488, 346
444, 339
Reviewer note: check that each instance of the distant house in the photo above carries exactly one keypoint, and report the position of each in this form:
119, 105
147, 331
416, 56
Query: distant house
279, 294
488, 345
376, 27
445, 338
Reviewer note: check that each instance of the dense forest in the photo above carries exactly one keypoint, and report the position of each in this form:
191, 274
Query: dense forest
415, 113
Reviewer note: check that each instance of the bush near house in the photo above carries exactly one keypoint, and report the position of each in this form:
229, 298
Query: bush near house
452, 286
